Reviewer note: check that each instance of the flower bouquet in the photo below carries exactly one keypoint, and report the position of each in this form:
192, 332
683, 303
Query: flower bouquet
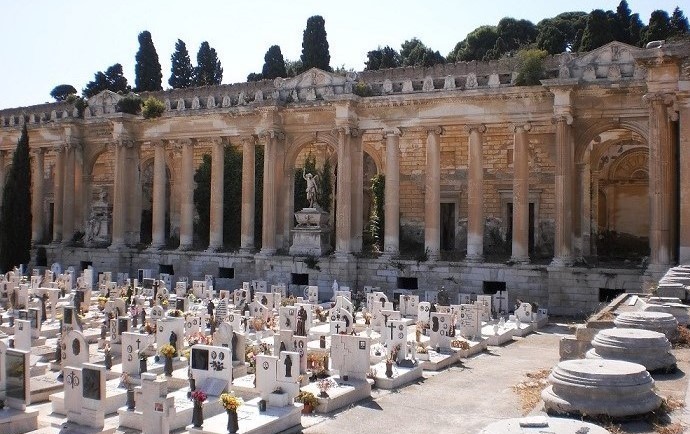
230, 402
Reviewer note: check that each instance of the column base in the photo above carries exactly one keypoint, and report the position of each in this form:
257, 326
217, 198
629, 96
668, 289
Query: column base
155, 247
246, 251
212, 249
562, 261
117, 247
267, 252
474, 258
184, 247
519, 259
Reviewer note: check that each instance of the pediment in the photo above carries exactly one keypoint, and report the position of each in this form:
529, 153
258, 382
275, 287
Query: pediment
313, 77
613, 52
104, 102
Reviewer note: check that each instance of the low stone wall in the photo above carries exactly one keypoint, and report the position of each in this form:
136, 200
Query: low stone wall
568, 291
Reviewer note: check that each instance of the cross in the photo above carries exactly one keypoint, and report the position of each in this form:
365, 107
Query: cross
73, 380
337, 328
392, 327
138, 342
385, 318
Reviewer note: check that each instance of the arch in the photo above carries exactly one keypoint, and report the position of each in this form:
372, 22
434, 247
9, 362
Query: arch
630, 162
298, 142
585, 134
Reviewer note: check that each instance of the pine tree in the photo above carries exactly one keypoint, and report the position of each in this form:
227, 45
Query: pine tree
274, 64
112, 79
208, 70
147, 71
382, 58
598, 31
15, 218
658, 28
678, 23
62, 91
315, 45
182, 71
621, 31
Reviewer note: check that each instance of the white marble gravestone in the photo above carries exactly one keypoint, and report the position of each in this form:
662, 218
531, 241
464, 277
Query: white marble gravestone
484, 301
525, 313
85, 395
342, 302
192, 325
338, 314
409, 305
240, 298
464, 298
132, 345
311, 292
424, 312
279, 289
157, 313
273, 373
441, 329
156, 407
269, 299
75, 349
395, 334
211, 368
499, 301
350, 355
15, 378
288, 318
199, 288
165, 327
342, 293
470, 320
22, 334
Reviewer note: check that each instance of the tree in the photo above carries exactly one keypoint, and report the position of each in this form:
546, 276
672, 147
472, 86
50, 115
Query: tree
208, 70
62, 91
530, 67
515, 33
315, 52
678, 23
598, 31
254, 76
15, 218
294, 67
476, 45
147, 70
112, 79
413, 52
382, 58
622, 19
181, 71
658, 28
274, 64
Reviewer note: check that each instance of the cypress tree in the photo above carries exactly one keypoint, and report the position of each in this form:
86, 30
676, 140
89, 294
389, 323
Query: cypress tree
315, 45
182, 71
274, 64
658, 27
15, 218
678, 22
147, 71
598, 31
208, 70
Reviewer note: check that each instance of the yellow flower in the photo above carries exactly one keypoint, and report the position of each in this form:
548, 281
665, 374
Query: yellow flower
230, 402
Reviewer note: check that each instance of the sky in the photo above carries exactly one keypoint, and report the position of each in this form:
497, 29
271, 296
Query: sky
49, 42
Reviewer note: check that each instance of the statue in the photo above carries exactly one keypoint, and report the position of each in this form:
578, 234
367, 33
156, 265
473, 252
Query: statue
301, 322
312, 188
173, 341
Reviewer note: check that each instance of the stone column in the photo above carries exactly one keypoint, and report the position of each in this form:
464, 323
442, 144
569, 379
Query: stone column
37, 199
68, 202
432, 193
343, 226
475, 194
58, 182
159, 205
565, 168
133, 202
594, 229
391, 240
216, 211
248, 194
119, 195
661, 181
584, 177
3, 174
520, 253
684, 179
187, 195
357, 190
268, 236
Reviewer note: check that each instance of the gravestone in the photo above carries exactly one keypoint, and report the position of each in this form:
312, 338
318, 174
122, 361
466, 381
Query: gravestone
525, 313
484, 301
192, 325
499, 301
464, 298
15, 376
409, 305
211, 367
170, 327
199, 288
338, 314
132, 345
22, 334
157, 313
470, 321
279, 289
311, 293
304, 318
74, 349
181, 289
85, 395
395, 334
259, 310
441, 330
376, 299
344, 303
156, 407
269, 299
240, 298
273, 373
350, 355
288, 318
342, 293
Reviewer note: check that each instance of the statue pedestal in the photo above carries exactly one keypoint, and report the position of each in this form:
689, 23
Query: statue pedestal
310, 236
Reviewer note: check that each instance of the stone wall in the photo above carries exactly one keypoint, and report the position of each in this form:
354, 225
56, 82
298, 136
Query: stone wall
564, 291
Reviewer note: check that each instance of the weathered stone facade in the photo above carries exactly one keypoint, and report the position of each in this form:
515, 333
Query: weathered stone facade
476, 168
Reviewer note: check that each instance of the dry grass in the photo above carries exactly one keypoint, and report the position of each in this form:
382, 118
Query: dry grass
682, 339
672, 428
529, 391
660, 419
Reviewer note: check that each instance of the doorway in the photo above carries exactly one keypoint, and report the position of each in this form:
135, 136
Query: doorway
447, 226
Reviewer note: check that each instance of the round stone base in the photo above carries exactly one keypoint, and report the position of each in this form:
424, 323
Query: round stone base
600, 387
540, 425
648, 348
655, 321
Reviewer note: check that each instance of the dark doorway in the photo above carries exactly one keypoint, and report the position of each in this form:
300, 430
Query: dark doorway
407, 283
299, 279
447, 226
51, 212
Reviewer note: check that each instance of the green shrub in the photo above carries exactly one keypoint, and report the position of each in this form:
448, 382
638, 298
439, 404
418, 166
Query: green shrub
362, 89
530, 67
153, 108
130, 105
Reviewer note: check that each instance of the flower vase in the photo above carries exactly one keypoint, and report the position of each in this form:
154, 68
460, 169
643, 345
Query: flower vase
197, 415
168, 368
142, 366
389, 369
130, 399
233, 425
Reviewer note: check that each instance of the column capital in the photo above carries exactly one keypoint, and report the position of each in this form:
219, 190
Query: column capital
437, 130
271, 134
519, 126
38, 152
347, 131
58, 148
481, 128
251, 139
662, 97
395, 131
565, 117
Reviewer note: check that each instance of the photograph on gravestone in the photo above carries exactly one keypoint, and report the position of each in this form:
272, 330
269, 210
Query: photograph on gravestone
67, 315
200, 359
91, 388
14, 375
